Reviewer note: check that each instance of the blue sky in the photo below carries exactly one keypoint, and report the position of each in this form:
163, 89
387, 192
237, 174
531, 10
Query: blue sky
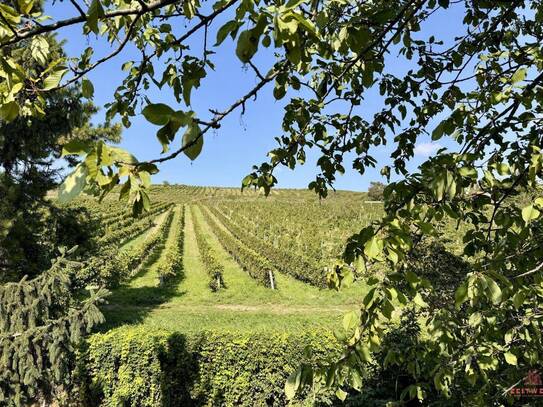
242, 140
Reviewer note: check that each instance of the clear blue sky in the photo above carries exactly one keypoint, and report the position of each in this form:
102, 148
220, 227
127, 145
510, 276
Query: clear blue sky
242, 140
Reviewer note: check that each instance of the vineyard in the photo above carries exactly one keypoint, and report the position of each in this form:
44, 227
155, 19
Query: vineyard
218, 257
235, 268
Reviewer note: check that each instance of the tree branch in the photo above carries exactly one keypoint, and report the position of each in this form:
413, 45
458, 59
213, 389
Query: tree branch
80, 74
23, 34
218, 117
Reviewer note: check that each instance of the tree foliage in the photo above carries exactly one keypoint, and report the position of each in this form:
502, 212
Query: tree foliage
31, 227
376, 191
41, 320
479, 93
42, 315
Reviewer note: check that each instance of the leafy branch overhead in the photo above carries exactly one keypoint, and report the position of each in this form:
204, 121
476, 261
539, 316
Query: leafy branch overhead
475, 94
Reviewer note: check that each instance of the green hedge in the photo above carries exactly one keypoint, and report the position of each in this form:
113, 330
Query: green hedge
135, 367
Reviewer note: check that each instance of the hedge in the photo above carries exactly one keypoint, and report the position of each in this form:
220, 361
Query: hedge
131, 366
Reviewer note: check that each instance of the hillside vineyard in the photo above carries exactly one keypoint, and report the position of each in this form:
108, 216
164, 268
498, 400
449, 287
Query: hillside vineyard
222, 291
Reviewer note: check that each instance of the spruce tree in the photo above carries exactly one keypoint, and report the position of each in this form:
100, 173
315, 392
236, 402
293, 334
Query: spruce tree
43, 315
41, 321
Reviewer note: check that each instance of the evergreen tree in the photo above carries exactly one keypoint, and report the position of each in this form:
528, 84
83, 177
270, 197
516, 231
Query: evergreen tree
29, 148
41, 320
42, 315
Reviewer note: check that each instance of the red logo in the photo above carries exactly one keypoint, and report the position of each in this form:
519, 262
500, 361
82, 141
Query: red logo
533, 378
533, 386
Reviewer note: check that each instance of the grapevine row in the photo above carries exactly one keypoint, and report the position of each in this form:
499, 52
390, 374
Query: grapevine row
122, 235
253, 263
171, 260
287, 263
213, 267
316, 233
113, 266
124, 219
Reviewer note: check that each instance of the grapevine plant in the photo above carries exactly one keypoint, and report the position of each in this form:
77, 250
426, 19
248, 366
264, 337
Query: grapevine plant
479, 93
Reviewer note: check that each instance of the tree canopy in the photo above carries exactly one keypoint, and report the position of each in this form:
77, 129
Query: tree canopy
376, 191
480, 90
29, 146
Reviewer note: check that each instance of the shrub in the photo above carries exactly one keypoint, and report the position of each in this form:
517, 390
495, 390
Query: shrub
376, 191
131, 366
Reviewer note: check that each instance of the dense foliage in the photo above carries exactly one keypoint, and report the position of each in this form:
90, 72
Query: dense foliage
134, 367
41, 320
376, 191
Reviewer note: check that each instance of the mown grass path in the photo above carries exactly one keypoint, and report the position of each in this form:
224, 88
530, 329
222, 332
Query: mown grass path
139, 239
190, 305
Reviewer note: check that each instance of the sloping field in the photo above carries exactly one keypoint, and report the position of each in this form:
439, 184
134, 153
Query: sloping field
216, 296
246, 300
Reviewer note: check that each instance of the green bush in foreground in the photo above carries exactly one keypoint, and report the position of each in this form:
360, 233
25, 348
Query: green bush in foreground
135, 367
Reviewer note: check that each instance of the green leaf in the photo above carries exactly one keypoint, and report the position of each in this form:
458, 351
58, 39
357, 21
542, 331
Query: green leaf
387, 309
494, 290
158, 113
438, 132
293, 4
351, 320
87, 89
342, 395
411, 277
9, 111
418, 300
461, 295
468, 172
39, 48
194, 139
230, 27
510, 358
279, 91
95, 12
74, 184
530, 213
145, 178
77, 147
293, 383
54, 78
373, 248
384, 15
518, 299
519, 75
475, 319
25, 6
121, 155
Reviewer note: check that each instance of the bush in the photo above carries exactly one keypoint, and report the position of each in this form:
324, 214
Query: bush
135, 367
376, 191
